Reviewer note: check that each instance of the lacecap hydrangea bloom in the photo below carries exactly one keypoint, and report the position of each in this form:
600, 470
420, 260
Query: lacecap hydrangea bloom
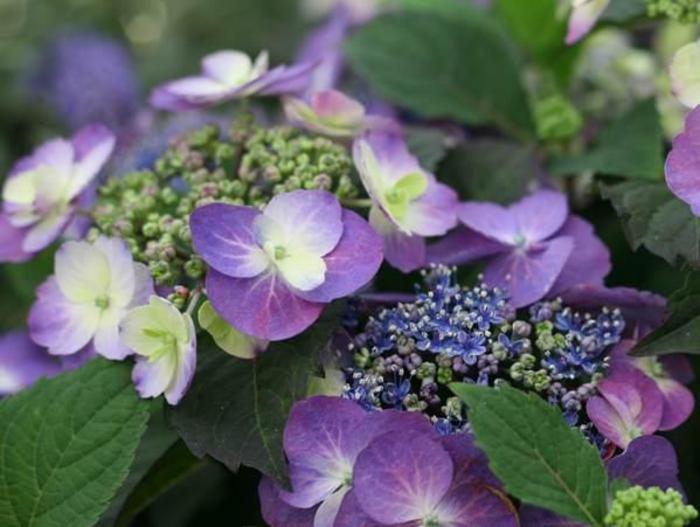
533, 248
272, 271
41, 191
228, 75
408, 203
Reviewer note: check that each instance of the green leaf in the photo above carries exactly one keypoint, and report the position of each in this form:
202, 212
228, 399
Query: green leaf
654, 218
236, 409
157, 439
539, 27
429, 145
681, 332
176, 464
490, 170
66, 446
459, 67
631, 146
540, 459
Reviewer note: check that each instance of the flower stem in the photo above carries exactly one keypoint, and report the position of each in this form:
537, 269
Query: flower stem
194, 300
358, 203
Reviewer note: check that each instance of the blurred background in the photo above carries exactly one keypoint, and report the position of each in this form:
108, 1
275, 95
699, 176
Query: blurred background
64, 63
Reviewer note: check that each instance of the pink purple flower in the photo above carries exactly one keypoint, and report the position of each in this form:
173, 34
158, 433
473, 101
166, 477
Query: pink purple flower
349, 467
22, 362
683, 163
228, 75
41, 191
93, 287
272, 271
583, 17
649, 461
678, 401
334, 114
408, 203
628, 405
533, 248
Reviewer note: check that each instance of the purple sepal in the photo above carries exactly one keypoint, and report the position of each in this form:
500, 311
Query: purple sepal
683, 163
262, 306
648, 461
463, 246
404, 251
277, 513
535, 517
22, 362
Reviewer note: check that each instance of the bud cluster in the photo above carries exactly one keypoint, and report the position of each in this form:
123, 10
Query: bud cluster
686, 11
150, 209
651, 507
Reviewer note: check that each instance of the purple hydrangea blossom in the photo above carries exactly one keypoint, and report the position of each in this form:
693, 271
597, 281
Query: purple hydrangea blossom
22, 362
349, 467
683, 163
408, 203
87, 78
322, 440
333, 113
93, 287
649, 461
41, 191
272, 271
678, 401
628, 405
533, 248
412, 479
228, 75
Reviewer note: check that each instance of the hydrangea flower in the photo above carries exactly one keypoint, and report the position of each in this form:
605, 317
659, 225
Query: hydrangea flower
272, 271
334, 114
583, 17
322, 440
410, 478
534, 248
408, 204
685, 76
629, 405
359, 11
41, 191
87, 78
165, 343
93, 287
228, 75
683, 163
648, 461
678, 401
22, 362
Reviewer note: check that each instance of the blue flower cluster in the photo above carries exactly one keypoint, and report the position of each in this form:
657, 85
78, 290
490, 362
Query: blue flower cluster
406, 355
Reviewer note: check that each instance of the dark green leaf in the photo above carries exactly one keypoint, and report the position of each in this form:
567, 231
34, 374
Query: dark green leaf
654, 218
540, 459
681, 332
66, 446
537, 26
154, 443
429, 145
459, 67
236, 409
632, 146
176, 464
490, 170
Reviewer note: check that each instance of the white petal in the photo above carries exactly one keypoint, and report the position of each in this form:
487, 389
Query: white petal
303, 271
82, 272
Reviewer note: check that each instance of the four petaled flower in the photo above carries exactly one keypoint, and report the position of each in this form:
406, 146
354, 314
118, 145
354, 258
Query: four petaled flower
94, 285
40, 193
272, 271
228, 75
408, 204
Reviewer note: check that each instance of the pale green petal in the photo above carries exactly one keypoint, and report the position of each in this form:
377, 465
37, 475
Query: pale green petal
21, 189
82, 272
412, 185
685, 74
303, 271
228, 338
